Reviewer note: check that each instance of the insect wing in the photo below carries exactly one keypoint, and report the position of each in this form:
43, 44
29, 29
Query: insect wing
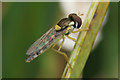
42, 44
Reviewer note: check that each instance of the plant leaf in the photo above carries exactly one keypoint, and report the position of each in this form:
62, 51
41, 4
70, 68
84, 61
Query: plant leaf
80, 54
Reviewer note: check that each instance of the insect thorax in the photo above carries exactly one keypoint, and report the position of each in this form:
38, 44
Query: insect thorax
69, 30
66, 25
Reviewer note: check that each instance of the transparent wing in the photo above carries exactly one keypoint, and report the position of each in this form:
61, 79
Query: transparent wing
43, 41
42, 44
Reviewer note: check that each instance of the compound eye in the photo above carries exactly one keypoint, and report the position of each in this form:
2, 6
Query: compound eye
70, 15
76, 19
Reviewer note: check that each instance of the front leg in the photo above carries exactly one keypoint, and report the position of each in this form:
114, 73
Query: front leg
80, 30
73, 39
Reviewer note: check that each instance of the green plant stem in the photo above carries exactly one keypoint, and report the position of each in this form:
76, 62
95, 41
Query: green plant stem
80, 54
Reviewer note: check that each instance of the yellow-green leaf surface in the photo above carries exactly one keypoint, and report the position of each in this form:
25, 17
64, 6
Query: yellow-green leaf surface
80, 54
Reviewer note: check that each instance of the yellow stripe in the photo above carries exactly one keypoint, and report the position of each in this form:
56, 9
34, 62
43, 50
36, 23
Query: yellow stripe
57, 27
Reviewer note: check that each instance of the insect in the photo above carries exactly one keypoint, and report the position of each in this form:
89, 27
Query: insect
63, 28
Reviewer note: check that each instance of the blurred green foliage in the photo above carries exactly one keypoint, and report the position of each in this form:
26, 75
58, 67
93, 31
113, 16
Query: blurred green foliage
23, 23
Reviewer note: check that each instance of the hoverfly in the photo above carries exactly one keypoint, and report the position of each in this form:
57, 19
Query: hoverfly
63, 28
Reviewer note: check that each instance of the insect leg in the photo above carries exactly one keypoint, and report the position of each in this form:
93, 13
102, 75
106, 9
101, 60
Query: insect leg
65, 56
73, 39
62, 53
61, 43
55, 43
80, 30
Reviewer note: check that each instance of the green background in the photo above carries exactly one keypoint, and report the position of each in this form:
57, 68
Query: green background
24, 23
